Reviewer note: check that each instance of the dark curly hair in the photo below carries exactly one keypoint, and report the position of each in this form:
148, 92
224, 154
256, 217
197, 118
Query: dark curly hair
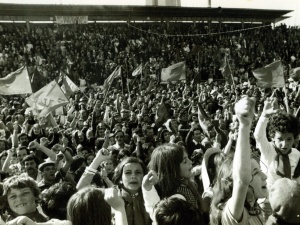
55, 199
283, 123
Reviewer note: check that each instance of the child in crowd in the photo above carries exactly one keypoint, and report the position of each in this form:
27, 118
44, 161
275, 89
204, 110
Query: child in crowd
128, 176
171, 172
88, 206
22, 195
278, 156
240, 181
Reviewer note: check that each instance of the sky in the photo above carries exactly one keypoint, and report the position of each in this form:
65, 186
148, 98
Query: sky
254, 4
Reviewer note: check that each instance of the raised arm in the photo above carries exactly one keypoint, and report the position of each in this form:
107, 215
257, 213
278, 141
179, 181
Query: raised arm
150, 194
113, 197
47, 151
91, 170
241, 174
270, 108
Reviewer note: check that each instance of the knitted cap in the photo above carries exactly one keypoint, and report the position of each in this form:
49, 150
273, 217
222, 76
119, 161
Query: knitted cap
284, 197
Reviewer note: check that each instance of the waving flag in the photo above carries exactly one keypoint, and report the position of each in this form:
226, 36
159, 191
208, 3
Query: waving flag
47, 99
225, 70
115, 74
68, 86
295, 73
37, 80
17, 82
138, 70
162, 114
270, 76
174, 72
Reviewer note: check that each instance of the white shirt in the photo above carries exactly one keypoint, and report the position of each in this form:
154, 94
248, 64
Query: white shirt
268, 152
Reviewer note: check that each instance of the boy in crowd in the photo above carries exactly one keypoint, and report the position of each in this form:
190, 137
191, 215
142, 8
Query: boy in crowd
278, 157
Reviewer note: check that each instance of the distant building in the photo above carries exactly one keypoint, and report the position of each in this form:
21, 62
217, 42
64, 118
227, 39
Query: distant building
163, 2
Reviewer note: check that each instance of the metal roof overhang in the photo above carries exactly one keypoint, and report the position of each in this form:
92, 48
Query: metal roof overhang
33, 12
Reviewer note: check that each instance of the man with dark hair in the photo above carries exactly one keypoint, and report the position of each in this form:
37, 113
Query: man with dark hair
49, 171
120, 143
193, 139
31, 167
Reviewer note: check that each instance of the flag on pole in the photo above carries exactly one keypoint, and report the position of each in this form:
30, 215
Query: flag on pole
162, 114
68, 86
37, 80
295, 73
32, 99
115, 74
137, 71
47, 99
225, 69
174, 72
17, 82
270, 76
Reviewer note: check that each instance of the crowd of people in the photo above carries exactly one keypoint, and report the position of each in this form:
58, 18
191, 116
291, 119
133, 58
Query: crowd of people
206, 150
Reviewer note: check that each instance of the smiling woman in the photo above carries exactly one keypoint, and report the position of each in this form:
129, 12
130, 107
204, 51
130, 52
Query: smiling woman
22, 194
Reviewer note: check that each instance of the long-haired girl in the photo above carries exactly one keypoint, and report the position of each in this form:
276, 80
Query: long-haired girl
171, 172
240, 181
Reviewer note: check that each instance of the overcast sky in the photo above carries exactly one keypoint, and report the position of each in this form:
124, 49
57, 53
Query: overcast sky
255, 4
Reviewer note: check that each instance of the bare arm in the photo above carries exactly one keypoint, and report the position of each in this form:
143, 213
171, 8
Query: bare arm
241, 174
47, 151
14, 138
90, 171
113, 197
6, 164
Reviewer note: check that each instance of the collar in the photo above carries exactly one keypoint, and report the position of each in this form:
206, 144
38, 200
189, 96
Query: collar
195, 142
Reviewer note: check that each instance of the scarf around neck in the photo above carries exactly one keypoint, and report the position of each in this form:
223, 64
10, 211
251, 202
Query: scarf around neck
282, 163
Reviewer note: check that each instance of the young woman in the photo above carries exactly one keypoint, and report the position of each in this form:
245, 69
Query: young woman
128, 176
173, 168
236, 190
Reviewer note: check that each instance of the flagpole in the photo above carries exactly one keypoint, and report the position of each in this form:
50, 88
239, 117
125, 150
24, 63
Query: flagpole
30, 82
105, 95
63, 75
230, 71
141, 72
127, 83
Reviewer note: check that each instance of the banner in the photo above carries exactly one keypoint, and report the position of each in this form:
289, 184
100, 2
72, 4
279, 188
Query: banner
71, 19
174, 72
270, 76
17, 82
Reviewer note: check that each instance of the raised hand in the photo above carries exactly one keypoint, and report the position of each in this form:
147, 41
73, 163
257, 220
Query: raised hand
21, 220
149, 180
244, 110
34, 145
44, 141
270, 106
113, 197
